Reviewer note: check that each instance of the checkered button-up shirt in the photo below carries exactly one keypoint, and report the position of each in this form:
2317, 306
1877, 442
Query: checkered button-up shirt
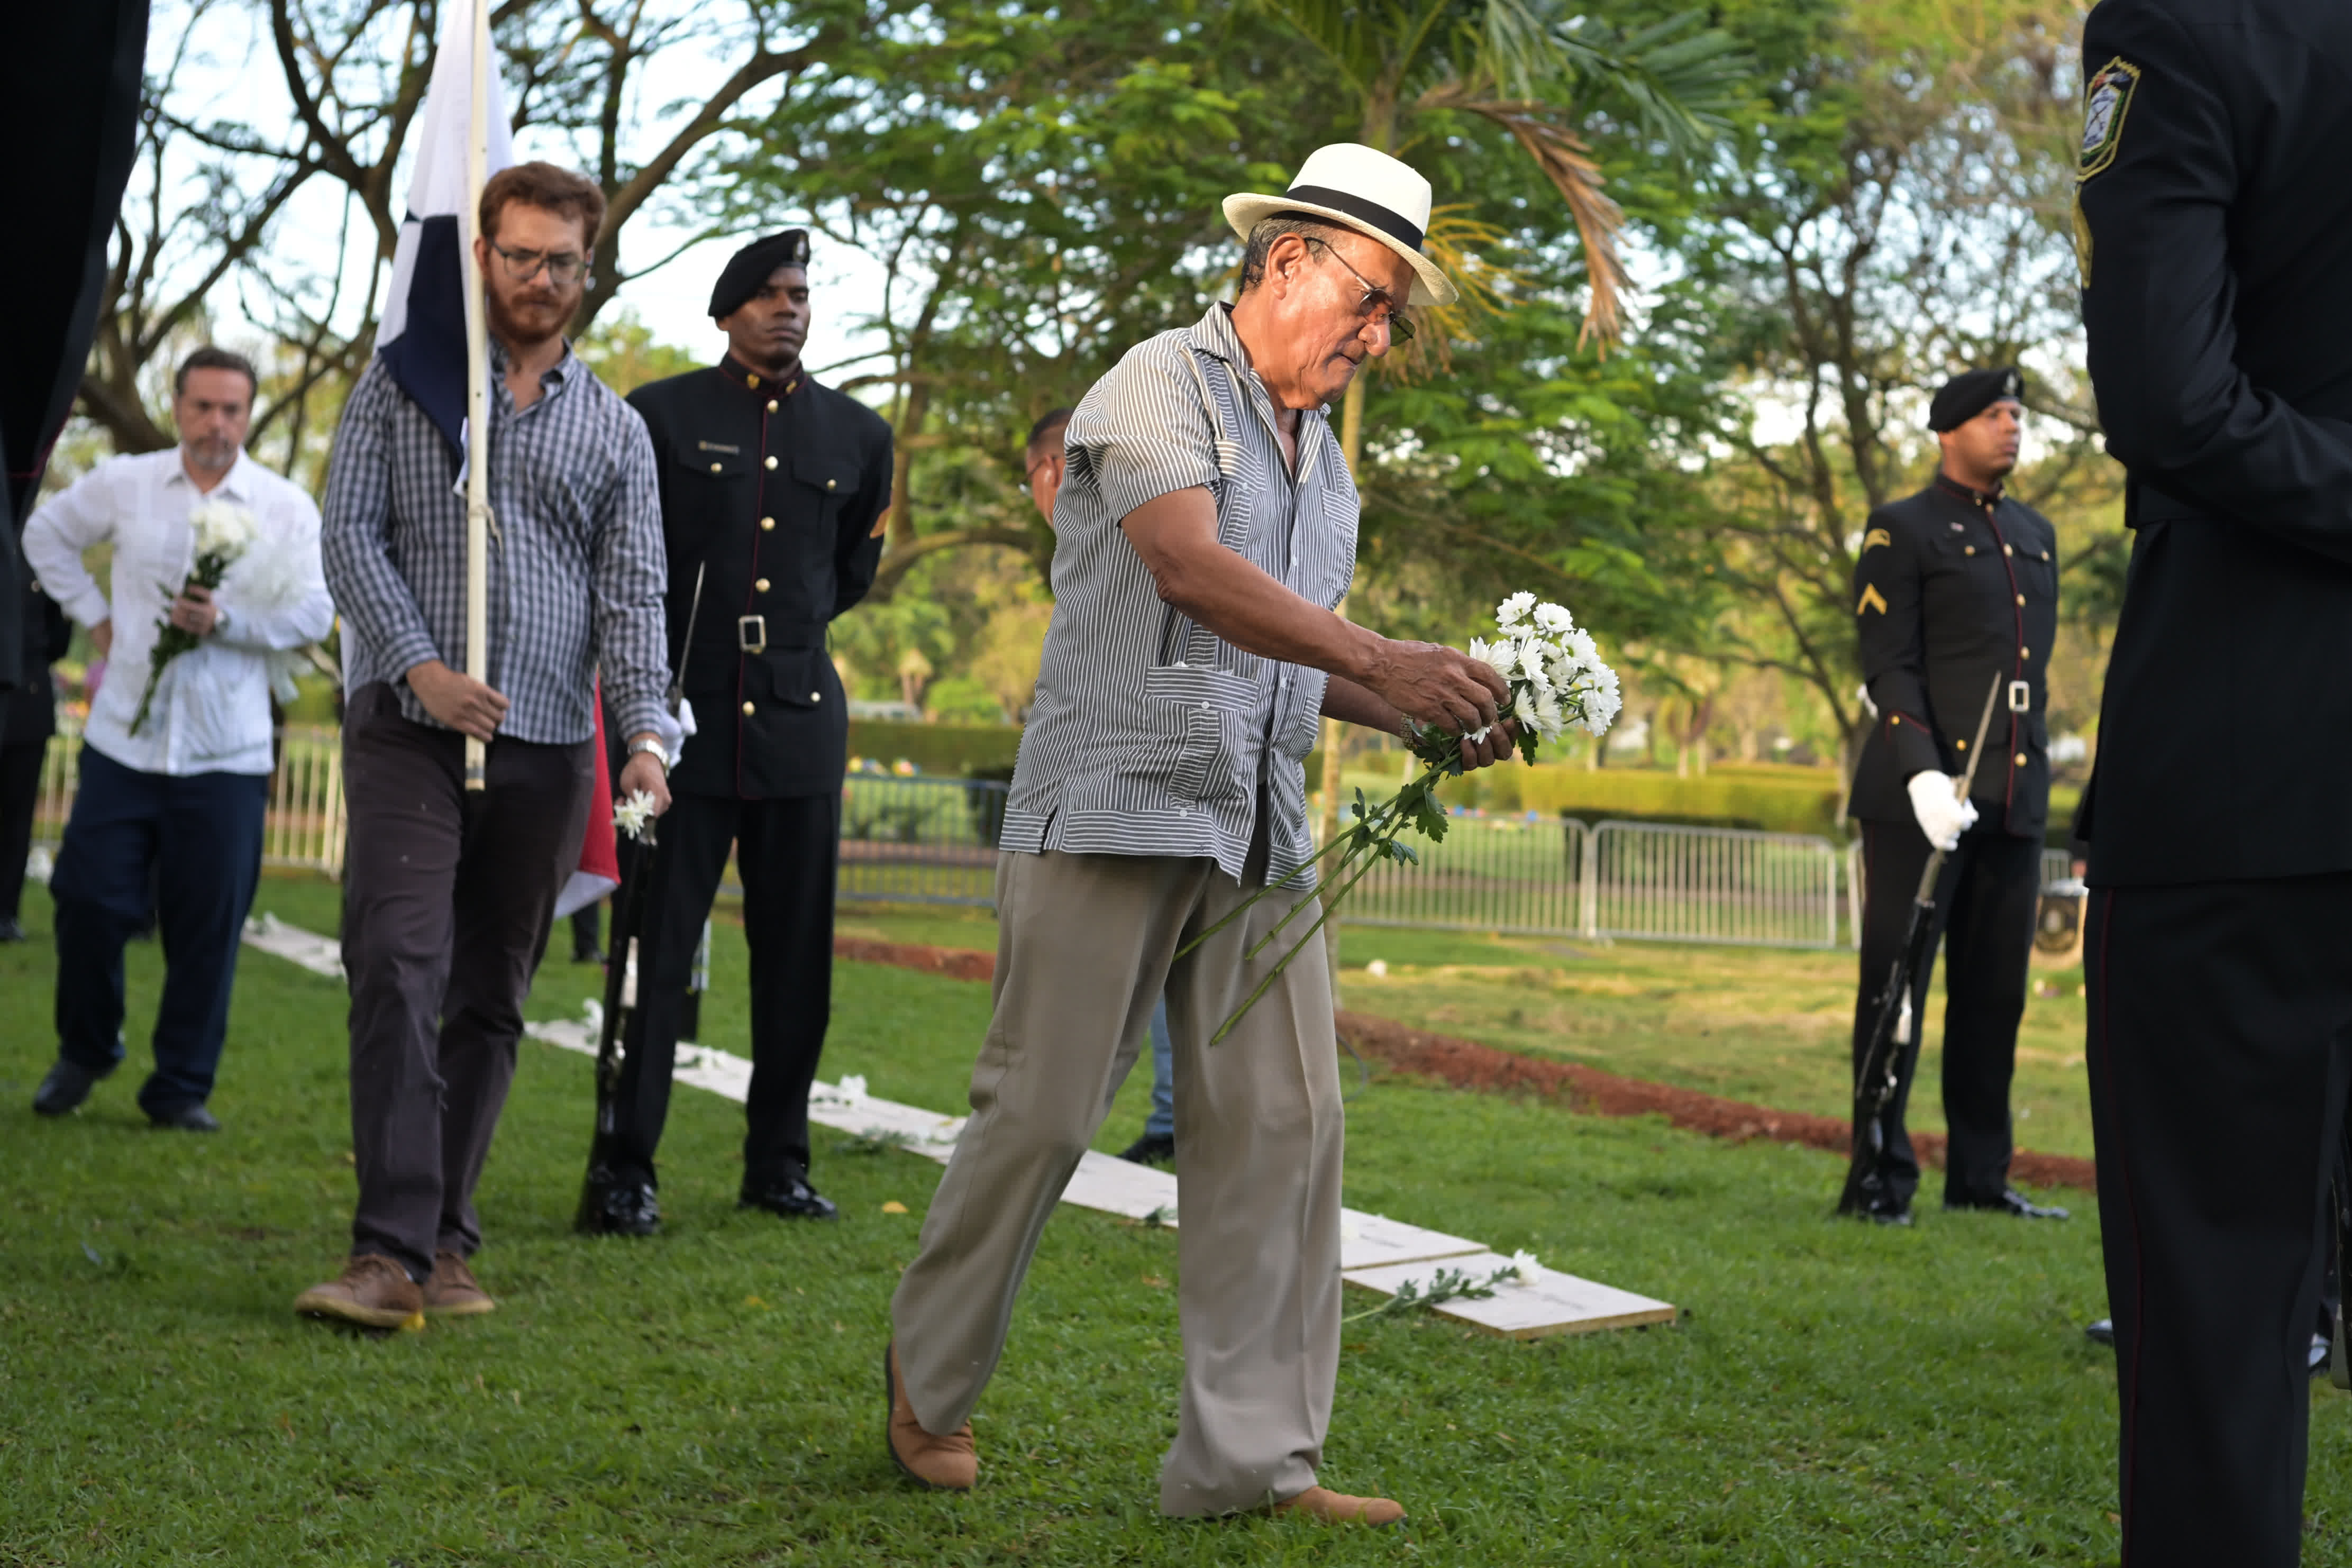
575, 561
1150, 735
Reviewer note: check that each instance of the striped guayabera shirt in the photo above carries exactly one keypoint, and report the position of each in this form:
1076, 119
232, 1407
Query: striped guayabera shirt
576, 565
1150, 735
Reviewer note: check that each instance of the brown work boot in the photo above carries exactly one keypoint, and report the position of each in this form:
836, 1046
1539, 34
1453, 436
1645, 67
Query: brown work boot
373, 1292
946, 1464
1328, 1506
453, 1291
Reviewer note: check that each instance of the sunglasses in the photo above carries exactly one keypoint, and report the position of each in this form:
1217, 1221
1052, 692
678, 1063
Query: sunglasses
1376, 299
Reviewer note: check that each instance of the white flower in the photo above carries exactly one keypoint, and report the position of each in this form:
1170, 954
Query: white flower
631, 815
1514, 610
1531, 663
1524, 1267
851, 1087
221, 528
1549, 719
1553, 618
1499, 657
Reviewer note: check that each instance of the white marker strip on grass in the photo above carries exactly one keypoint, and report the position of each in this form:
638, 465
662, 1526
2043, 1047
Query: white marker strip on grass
1376, 1253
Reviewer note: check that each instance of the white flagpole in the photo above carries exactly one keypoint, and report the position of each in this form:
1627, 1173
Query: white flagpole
477, 387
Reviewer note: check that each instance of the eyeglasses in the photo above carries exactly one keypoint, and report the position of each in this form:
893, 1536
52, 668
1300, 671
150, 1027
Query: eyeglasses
1375, 298
564, 267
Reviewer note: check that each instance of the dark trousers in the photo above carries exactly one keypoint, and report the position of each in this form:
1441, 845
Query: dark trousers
448, 899
785, 852
199, 837
2220, 1051
1984, 912
20, 793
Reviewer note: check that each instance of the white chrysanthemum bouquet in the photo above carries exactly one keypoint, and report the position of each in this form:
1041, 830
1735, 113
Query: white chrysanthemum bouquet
1557, 681
223, 533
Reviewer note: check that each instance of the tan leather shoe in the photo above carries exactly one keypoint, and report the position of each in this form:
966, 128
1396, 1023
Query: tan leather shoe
373, 1292
453, 1291
1328, 1506
948, 1464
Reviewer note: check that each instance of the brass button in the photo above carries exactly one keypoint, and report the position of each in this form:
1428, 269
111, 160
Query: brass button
2025, 653
761, 584
714, 467
1962, 744
772, 406
772, 462
833, 484
747, 711
1967, 550
816, 695
766, 524
2021, 759
2020, 598
2009, 550
751, 380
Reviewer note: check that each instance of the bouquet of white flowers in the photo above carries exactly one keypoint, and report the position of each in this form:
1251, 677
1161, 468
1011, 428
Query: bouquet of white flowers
223, 533
1557, 680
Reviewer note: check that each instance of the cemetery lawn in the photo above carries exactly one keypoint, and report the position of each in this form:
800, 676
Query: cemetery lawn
1836, 1394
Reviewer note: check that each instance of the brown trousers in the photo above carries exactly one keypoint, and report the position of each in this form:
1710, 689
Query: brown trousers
448, 897
1085, 945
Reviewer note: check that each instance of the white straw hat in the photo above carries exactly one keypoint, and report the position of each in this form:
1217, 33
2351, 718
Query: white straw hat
1357, 187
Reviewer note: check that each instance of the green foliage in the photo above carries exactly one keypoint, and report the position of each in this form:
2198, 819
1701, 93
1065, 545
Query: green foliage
621, 350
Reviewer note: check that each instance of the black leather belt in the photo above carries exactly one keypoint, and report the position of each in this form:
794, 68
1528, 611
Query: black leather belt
764, 633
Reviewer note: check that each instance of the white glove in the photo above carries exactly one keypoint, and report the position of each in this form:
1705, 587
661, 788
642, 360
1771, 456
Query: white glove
1942, 818
673, 733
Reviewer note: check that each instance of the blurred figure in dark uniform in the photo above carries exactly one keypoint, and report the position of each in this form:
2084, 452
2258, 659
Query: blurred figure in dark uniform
775, 491
2213, 229
1955, 586
28, 717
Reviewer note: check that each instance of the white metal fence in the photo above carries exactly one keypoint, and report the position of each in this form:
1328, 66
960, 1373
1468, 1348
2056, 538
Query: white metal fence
933, 840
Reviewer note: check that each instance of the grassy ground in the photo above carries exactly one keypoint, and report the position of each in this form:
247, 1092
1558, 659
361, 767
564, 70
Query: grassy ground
1760, 1024
1837, 1395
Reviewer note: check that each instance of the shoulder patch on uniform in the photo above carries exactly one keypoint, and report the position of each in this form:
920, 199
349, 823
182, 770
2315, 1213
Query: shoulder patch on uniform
2106, 99
1875, 537
1871, 599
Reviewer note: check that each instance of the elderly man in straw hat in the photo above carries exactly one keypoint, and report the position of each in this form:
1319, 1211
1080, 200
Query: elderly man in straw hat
1207, 530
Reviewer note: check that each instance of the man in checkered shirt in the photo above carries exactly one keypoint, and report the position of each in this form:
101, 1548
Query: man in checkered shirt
447, 895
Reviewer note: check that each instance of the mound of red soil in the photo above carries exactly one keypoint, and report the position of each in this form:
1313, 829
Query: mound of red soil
1466, 1064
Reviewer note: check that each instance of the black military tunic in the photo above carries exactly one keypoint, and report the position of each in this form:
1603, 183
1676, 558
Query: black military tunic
2215, 233
774, 492
1953, 590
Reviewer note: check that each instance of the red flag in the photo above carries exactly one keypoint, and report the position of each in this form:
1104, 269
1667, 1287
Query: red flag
599, 871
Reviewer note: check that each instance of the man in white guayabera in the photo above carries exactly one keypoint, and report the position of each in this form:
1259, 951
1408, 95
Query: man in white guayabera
1206, 530
176, 756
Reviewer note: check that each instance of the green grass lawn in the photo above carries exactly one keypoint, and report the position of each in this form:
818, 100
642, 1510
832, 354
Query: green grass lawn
1837, 1395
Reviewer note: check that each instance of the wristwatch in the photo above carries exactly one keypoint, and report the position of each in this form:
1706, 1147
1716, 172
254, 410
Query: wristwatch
647, 743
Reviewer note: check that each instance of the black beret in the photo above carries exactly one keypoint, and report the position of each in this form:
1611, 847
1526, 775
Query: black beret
1970, 393
748, 270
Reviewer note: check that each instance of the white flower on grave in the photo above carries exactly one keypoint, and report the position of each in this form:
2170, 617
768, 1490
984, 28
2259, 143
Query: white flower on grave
1350, 1231
1523, 1267
631, 815
851, 1087
222, 528
1553, 618
1513, 610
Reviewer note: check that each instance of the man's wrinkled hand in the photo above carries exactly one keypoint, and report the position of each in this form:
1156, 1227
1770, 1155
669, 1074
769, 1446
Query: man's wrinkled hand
458, 701
193, 611
643, 773
1500, 744
1438, 687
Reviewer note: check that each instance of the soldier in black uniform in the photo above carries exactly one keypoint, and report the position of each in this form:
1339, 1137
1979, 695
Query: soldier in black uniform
774, 490
28, 717
1955, 586
2213, 227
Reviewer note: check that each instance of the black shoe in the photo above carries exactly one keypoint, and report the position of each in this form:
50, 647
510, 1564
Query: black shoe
190, 1118
619, 1205
10, 931
789, 1195
2011, 1201
2102, 1332
1151, 1149
587, 953
67, 1085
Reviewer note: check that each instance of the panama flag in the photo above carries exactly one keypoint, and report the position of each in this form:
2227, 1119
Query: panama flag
423, 335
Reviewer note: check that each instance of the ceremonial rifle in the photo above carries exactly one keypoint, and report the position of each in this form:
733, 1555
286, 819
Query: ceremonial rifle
1875, 1082
622, 977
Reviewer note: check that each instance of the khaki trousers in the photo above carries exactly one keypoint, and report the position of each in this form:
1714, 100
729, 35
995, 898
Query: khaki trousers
1085, 945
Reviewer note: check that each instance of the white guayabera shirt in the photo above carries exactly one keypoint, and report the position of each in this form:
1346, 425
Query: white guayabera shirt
1150, 735
211, 713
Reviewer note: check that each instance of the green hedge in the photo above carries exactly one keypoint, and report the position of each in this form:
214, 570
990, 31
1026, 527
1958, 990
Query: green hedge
1777, 800
956, 751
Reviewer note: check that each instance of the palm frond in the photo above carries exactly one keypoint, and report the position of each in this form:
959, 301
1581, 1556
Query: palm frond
1682, 79
1459, 244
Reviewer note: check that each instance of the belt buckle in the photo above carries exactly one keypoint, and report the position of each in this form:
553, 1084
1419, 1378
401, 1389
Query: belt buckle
751, 633
2021, 697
